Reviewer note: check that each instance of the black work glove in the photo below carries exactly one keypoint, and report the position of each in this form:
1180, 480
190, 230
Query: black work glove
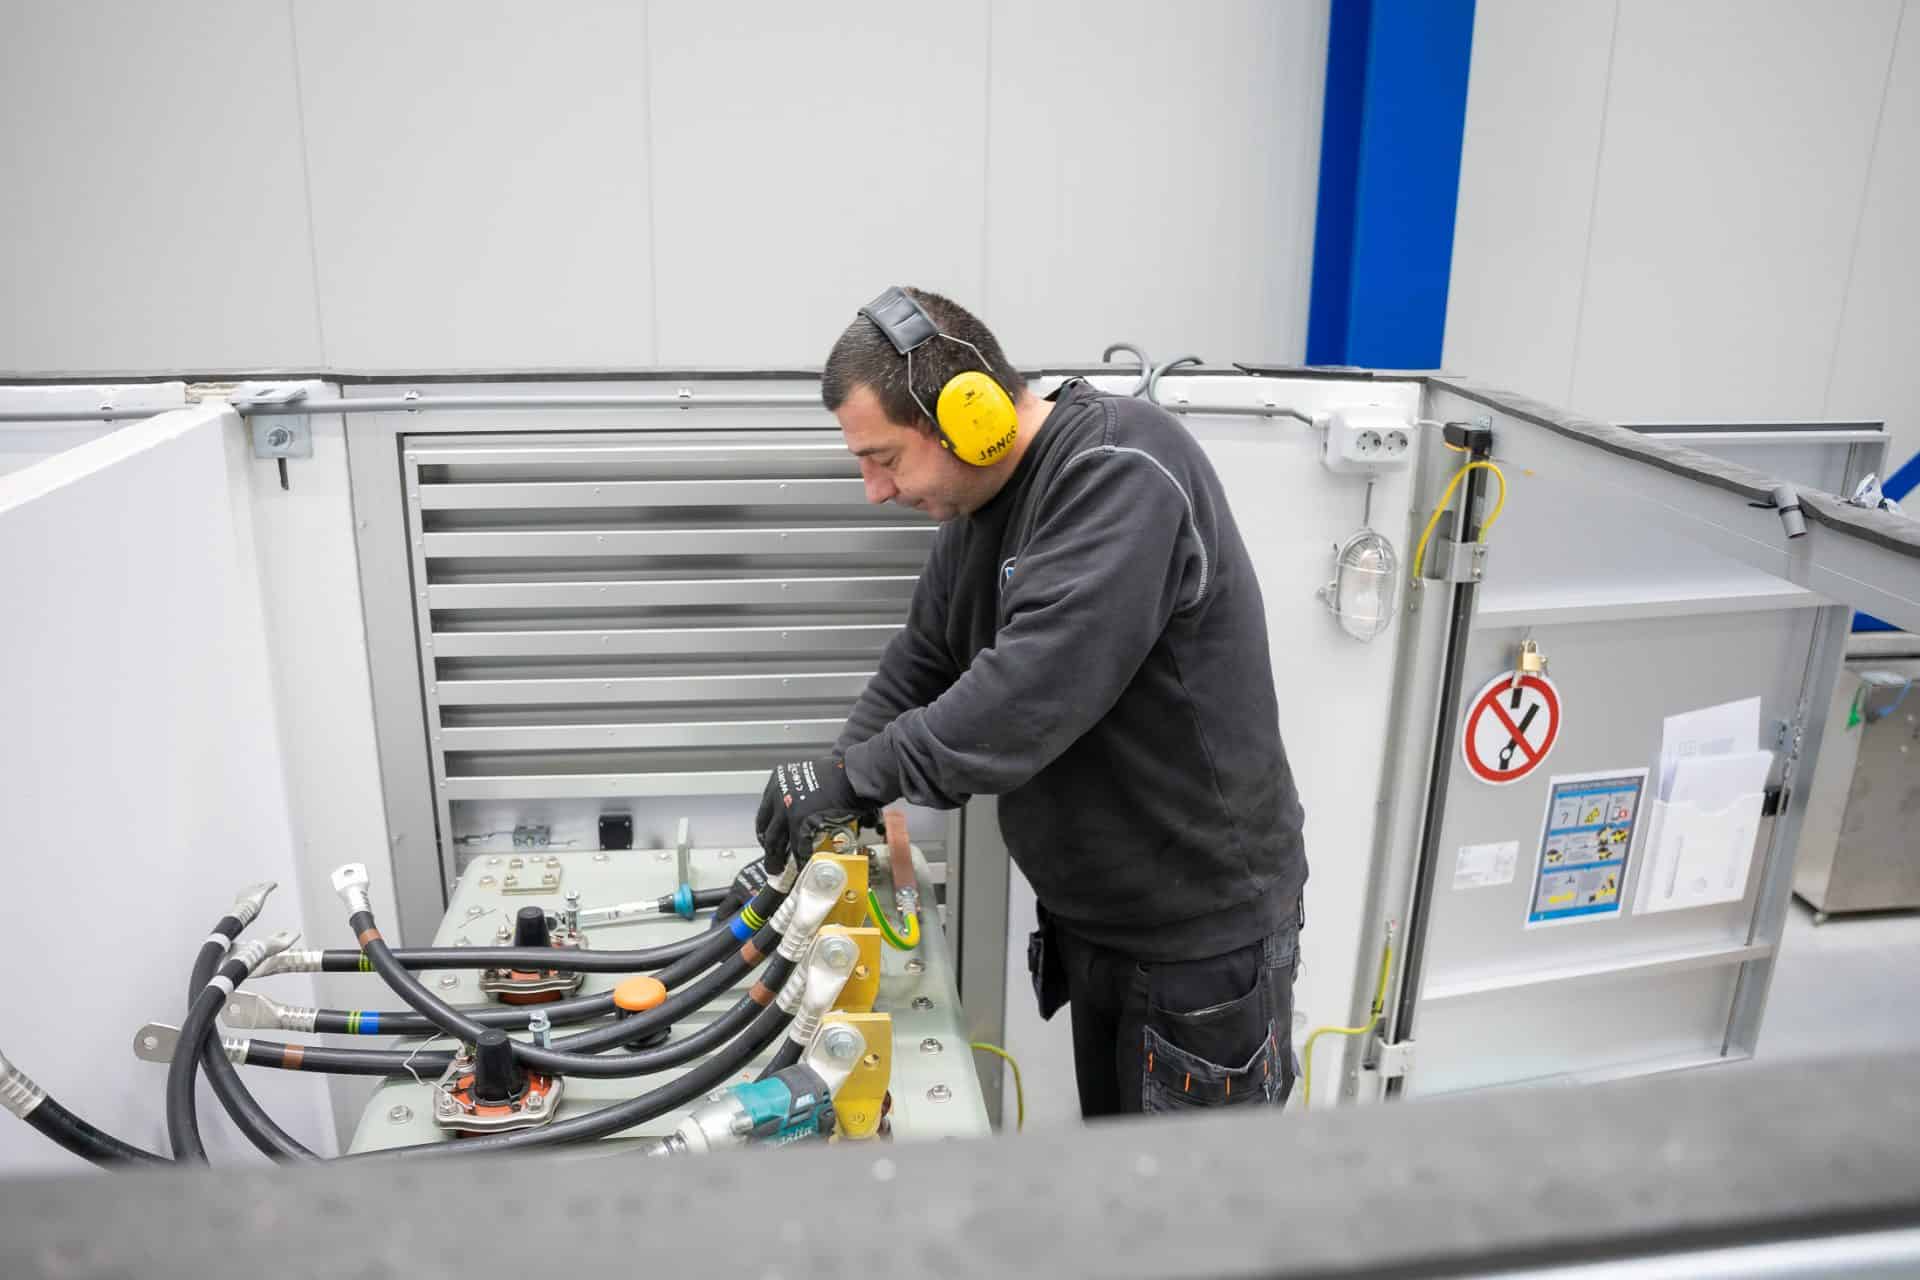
751, 880
801, 797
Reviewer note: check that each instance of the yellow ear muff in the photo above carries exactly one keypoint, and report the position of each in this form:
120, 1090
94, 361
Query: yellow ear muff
976, 416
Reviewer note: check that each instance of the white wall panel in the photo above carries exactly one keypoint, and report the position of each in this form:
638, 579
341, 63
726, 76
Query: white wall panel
1736, 150
1535, 106
1876, 369
479, 182
1153, 171
802, 165
144, 198
140, 768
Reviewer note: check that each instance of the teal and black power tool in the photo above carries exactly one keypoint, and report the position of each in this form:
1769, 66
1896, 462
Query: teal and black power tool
789, 1106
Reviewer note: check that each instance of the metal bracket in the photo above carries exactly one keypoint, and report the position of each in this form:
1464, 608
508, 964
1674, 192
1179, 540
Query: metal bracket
279, 436
1392, 1060
1449, 561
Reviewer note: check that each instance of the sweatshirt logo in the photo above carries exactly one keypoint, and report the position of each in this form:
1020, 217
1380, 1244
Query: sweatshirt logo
1006, 571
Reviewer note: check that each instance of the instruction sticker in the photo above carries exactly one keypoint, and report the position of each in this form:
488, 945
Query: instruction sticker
1585, 841
1481, 866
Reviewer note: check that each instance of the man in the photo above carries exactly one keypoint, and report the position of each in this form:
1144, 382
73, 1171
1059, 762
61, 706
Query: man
1086, 642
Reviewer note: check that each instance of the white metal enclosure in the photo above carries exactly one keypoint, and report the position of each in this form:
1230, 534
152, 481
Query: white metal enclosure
141, 761
569, 589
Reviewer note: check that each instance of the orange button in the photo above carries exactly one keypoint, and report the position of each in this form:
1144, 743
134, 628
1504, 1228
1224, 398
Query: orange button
640, 993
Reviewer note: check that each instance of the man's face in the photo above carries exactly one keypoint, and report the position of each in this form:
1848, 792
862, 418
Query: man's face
903, 465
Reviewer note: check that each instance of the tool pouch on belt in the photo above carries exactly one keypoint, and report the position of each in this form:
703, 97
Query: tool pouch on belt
1045, 967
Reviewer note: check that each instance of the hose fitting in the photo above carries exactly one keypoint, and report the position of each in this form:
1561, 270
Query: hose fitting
247, 905
350, 882
18, 1093
813, 900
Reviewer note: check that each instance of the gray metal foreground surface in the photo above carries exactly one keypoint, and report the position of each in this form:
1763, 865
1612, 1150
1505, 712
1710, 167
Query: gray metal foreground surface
1821, 1160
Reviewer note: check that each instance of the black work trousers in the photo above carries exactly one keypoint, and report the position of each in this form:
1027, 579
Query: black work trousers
1162, 1036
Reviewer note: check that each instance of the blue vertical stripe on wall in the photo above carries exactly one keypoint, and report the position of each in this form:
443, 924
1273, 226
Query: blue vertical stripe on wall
1396, 102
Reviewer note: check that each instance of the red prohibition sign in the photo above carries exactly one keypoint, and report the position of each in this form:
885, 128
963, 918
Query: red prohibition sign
1522, 742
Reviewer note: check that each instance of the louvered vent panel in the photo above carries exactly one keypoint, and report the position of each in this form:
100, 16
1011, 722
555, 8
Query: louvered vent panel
635, 616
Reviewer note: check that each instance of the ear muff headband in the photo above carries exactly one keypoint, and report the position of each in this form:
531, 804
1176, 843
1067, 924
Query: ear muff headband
973, 413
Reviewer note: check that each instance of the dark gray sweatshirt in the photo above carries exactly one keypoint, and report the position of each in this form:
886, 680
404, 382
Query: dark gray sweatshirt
1091, 647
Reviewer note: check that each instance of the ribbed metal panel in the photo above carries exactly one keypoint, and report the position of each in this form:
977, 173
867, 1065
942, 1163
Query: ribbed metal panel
643, 615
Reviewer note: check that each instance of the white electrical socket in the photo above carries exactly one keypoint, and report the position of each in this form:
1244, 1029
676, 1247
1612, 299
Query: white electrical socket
1367, 438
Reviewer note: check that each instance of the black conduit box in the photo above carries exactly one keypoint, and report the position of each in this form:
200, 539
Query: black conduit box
616, 831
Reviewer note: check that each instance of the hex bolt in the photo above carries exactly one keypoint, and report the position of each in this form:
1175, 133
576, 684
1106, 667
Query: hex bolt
476, 910
599, 857
931, 1045
399, 1115
485, 881
916, 966
922, 1002
449, 980
939, 1093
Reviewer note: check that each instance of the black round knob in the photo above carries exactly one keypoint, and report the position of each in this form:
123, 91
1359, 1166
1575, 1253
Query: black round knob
530, 928
497, 1075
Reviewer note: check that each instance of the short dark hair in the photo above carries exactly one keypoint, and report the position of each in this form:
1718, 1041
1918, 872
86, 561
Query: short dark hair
863, 357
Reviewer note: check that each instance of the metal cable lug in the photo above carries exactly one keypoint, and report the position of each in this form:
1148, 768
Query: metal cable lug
156, 1042
824, 975
834, 1051
296, 960
18, 1093
814, 899
252, 952
350, 882
251, 1009
249, 901
789, 877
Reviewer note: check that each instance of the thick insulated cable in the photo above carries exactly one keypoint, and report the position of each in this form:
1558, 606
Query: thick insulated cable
20, 1095
664, 956
818, 891
715, 1071
241, 1106
425, 1063
573, 1055
183, 1127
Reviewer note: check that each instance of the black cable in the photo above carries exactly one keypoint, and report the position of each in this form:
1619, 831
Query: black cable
712, 1073
711, 947
392, 1022
785, 1056
183, 1121
241, 1106
557, 1060
764, 904
431, 1062
347, 1062
84, 1140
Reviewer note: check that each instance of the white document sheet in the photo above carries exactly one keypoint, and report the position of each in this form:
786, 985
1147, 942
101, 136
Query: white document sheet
1703, 840
1730, 729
